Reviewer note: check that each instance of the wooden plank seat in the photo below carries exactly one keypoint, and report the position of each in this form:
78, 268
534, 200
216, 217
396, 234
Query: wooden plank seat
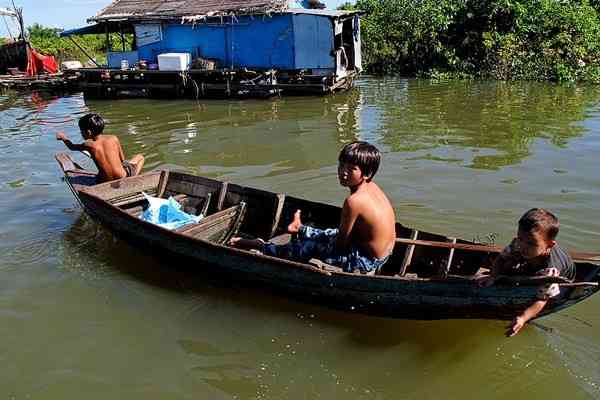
130, 198
218, 227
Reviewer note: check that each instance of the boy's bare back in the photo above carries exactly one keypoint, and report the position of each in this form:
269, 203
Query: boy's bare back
105, 150
374, 228
108, 156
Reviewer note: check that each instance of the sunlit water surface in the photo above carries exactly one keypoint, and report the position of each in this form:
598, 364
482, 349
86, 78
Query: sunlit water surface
85, 314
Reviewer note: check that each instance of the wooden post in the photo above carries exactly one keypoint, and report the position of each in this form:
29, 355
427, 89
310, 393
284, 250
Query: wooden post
222, 194
277, 216
446, 268
408, 254
162, 183
122, 37
108, 46
84, 52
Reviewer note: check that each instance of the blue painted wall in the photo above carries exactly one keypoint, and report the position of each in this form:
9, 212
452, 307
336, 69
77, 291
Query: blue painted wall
313, 41
282, 41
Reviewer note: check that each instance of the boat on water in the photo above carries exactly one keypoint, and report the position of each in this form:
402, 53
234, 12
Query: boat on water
428, 276
21, 65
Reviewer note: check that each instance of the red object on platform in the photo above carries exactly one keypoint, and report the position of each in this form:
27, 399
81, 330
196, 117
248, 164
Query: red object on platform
38, 63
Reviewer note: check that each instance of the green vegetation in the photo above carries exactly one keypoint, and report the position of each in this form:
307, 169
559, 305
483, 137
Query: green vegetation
47, 41
555, 40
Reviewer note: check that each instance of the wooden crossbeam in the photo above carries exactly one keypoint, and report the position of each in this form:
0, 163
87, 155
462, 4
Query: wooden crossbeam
576, 255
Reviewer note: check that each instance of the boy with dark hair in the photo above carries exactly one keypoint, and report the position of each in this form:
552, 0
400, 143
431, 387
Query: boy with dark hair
105, 150
533, 252
366, 234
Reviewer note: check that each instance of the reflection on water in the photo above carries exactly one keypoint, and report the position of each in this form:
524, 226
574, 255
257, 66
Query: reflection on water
82, 311
497, 122
271, 137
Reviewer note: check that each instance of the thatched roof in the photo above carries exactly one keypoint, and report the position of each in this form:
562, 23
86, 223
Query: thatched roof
161, 9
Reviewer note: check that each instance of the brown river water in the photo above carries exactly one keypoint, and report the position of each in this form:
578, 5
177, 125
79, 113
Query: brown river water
83, 314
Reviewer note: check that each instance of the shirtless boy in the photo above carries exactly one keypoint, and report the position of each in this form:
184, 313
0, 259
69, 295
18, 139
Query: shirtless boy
105, 150
366, 234
533, 252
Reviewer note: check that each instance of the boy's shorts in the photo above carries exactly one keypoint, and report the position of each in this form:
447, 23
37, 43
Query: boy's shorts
129, 168
318, 243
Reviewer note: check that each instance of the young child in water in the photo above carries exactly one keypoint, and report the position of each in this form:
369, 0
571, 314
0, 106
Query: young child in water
533, 252
366, 235
105, 150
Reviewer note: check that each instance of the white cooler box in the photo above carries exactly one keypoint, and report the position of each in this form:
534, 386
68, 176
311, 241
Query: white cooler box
174, 61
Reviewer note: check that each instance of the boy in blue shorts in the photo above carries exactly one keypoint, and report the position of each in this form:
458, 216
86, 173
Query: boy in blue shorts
366, 235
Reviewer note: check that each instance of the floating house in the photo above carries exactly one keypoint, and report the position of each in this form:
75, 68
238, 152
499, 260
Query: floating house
222, 48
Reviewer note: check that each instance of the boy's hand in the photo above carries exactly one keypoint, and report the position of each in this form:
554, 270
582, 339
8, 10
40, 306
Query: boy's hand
61, 136
549, 272
515, 326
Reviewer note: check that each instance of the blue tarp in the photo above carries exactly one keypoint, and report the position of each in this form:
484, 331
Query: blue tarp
86, 30
167, 213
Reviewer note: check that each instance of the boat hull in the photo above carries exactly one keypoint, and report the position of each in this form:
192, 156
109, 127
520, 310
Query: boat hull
387, 296
396, 298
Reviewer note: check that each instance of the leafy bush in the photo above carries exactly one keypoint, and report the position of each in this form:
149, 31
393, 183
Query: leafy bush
47, 41
502, 39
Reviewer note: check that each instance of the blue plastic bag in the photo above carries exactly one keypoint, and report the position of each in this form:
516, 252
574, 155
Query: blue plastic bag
167, 213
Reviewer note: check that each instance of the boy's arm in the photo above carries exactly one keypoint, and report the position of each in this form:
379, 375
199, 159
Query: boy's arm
544, 293
70, 145
520, 320
349, 215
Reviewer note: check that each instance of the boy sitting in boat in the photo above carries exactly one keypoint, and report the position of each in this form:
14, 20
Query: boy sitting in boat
533, 252
105, 150
366, 234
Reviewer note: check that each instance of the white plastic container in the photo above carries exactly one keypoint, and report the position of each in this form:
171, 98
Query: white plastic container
70, 65
174, 61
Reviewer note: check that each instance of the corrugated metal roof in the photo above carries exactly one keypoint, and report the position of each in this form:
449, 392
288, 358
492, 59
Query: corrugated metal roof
142, 9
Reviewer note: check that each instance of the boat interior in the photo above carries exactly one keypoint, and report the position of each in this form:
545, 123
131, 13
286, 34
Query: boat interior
234, 210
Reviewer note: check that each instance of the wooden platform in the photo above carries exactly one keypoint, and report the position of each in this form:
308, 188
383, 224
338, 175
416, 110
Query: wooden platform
111, 83
38, 82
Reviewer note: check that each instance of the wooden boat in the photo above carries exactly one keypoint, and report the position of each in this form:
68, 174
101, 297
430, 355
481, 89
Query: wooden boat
428, 276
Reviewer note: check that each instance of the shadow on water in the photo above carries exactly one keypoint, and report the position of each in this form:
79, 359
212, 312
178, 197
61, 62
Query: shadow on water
109, 255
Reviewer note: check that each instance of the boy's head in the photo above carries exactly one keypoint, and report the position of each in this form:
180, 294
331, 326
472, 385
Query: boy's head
537, 233
91, 125
362, 155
